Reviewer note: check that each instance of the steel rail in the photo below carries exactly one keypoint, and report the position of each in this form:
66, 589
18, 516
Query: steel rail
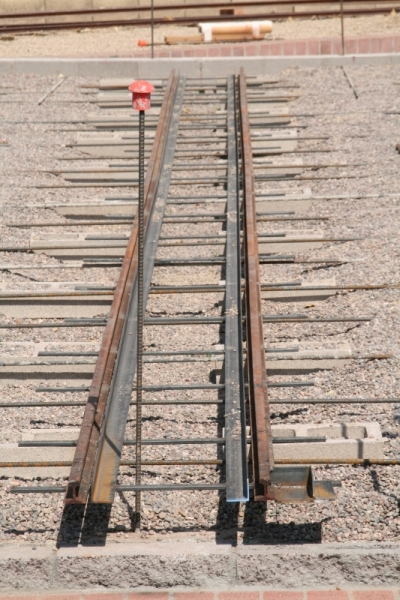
82, 467
262, 451
161, 7
110, 443
19, 28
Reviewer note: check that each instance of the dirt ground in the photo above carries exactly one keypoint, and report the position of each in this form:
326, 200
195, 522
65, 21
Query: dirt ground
122, 41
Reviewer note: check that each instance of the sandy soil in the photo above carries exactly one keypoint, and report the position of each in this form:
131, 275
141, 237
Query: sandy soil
119, 41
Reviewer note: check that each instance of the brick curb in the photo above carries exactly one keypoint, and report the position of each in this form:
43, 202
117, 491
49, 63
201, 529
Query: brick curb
336, 594
380, 44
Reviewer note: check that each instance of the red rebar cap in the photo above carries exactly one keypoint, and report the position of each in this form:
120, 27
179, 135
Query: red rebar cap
141, 93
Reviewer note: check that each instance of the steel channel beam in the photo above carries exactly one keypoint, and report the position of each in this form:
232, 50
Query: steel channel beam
82, 466
262, 451
237, 485
112, 436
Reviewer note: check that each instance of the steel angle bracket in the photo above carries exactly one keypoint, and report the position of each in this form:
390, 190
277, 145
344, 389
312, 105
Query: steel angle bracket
296, 485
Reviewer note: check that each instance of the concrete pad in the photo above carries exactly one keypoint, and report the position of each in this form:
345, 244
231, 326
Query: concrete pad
28, 474
263, 205
304, 367
277, 168
123, 83
299, 295
32, 349
275, 142
66, 433
345, 441
56, 308
100, 208
284, 245
79, 375
12, 453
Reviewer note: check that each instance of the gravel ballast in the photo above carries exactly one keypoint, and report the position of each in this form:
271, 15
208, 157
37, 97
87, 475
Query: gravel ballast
360, 131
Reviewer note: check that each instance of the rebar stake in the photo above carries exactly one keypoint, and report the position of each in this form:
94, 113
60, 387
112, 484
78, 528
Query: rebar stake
139, 365
141, 91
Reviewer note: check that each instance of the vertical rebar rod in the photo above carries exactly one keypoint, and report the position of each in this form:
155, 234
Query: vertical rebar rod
342, 26
139, 367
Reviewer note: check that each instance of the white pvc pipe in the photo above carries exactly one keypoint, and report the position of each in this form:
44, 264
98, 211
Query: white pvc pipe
256, 28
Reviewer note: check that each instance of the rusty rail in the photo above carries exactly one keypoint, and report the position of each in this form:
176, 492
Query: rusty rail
82, 466
266, 6
389, 4
262, 452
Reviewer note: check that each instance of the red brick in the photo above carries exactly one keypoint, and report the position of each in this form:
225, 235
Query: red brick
265, 49
194, 596
188, 53
98, 596
239, 596
375, 45
61, 596
301, 48
200, 52
213, 51
283, 596
164, 54
176, 53
313, 47
237, 51
387, 44
336, 46
252, 49
276, 49
226, 51
350, 46
396, 43
363, 46
289, 48
376, 595
326, 47
149, 596
328, 595
70, 596
32, 596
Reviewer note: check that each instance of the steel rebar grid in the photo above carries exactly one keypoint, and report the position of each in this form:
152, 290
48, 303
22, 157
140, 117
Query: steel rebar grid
262, 451
82, 467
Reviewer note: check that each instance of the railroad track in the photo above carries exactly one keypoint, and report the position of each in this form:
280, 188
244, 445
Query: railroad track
254, 9
213, 176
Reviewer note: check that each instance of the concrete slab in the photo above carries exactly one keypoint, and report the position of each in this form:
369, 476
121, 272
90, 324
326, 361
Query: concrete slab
144, 68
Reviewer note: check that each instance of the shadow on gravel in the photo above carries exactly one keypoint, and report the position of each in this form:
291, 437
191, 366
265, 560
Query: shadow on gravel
256, 531
84, 525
